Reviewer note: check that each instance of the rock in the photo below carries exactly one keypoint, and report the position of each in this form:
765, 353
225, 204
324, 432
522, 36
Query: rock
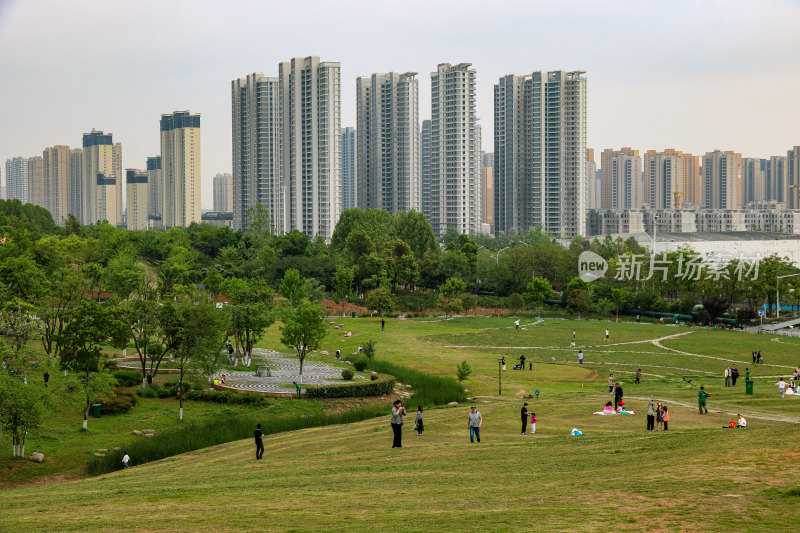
117, 448
99, 455
348, 363
373, 373
341, 325
137, 432
324, 352
149, 431
409, 387
102, 449
335, 327
452, 404
331, 323
149, 434
36, 457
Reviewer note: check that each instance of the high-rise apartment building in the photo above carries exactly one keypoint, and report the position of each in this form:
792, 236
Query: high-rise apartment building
349, 168
754, 180
223, 193
591, 182
17, 179
691, 179
671, 179
620, 178
311, 144
425, 168
487, 188
36, 187
776, 179
257, 177
155, 196
57, 181
722, 180
75, 182
455, 175
540, 152
138, 202
180, 167
99, 183
387, 108
793, 178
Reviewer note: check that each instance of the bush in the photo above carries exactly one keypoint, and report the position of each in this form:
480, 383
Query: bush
118, 402
128, 378
383, 385
429, 390
227, 397
347, 373
361, 363
167, 391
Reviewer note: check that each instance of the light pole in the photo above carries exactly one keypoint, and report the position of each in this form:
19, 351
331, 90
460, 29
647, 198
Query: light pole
778, 293
499, 377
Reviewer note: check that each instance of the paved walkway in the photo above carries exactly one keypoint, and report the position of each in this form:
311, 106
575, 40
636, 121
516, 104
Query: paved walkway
284, 369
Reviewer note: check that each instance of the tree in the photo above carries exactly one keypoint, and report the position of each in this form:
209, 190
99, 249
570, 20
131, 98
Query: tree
259, 223
715, 306
293, 287
369, 350
414, 229
537, 291
515, 302
20, 326
20, 409
450, 293
463, 371
621, 297
379, 300
66, 290
314, 290
303, 329
579, 301
252, 313
343, 285
90, 328
468, 301
123, 275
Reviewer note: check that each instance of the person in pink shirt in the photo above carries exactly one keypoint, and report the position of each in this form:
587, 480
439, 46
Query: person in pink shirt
533, 422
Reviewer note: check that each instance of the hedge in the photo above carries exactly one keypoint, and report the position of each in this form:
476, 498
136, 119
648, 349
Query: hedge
226, 397
382, 386
128, 378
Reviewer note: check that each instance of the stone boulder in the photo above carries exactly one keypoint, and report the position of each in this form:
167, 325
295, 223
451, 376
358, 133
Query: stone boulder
137, 432
36, 457
102, 449
324, 352
348, 333
452, 404
149, 431
409, 387
99, 455
348, 363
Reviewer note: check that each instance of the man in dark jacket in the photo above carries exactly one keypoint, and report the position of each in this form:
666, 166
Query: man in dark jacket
259, 442
617, 395
734, 375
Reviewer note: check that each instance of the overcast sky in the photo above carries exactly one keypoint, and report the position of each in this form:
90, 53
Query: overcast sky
693, 75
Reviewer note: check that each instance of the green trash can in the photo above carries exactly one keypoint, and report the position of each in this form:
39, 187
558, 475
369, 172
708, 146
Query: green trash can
748, 387
352, 314
96, 409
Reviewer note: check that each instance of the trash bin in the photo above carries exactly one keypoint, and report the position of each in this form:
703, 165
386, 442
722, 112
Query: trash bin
96, 409
352, 314
748, 387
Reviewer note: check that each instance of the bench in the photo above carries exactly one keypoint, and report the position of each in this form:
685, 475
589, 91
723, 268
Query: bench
260, 371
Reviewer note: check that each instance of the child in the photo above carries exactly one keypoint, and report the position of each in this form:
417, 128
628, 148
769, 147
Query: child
125, 460
665, 416
533, 422
419, 421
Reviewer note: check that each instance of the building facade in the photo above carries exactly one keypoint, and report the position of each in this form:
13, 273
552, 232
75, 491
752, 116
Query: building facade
17, 179
223, 193
138, 199
388, 166
99, 183
620, 179
37, 194
540, 152
180, 167
722, 180
155, 196
663, 176
57, 181
487, 188
793, 178
349, 168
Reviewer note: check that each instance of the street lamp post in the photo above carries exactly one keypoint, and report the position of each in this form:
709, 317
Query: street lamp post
778, 293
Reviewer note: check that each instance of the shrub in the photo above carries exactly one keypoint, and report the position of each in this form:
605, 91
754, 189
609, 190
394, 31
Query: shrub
227, 397
118, 402
347, 373
167, 391
128, 378
463, 370
361, 363
383, 385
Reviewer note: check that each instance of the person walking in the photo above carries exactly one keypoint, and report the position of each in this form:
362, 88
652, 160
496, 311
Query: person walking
665, 416
259, 435
755, 357
617, 395
475, 423
125, 460
580, 357
398, 412
524, 413
573, 334
419, 425
702, 397
727, 375
734, 375
651, 415
503, 362
383, 325
638, 376
781, 387
516, 324
659, 417
606, 334
533, 423
611, 383
46, 378
522, 362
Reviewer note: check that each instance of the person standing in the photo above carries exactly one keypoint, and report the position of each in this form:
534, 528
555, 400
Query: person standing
398, 412
638, 376
755, 360
419, 426
734, 375
522, 362
617, 395
259, 435
503, 362
125, 460
611, 383
149, 378
747, 374
533, 423
580, 357
475, 423
383, 324
606, 334
781, 387
573, 334
665, 416
46, 378
516, 324
727, 375
651, 416
659, 417
702, 397
524, 413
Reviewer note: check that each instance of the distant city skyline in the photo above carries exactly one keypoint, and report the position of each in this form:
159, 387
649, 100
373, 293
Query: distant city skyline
653, 86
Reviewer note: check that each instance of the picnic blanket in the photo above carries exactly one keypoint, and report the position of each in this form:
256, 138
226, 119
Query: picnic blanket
613, 413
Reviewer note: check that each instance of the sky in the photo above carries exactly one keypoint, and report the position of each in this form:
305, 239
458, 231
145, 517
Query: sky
692, 75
